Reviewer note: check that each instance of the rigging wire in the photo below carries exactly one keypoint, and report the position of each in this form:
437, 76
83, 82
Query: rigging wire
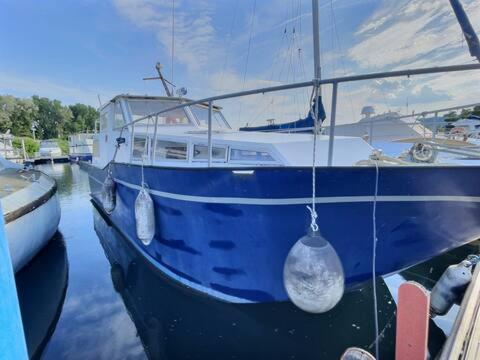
342, 61
248, 54
229, 43
173, 41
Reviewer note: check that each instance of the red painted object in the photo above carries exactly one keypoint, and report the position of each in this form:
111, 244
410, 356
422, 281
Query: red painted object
412, 322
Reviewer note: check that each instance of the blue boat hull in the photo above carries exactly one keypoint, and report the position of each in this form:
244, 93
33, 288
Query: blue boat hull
227, 234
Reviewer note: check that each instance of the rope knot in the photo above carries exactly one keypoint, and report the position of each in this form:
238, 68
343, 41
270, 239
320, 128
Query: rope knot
313, 214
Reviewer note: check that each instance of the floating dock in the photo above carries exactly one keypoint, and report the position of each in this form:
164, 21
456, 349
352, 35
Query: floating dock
47, 159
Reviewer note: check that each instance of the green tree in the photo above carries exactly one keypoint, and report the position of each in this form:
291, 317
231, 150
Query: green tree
7, 104
52, 117
22, 116
84, 117
476, 111
465, 113
31, 146
451, 116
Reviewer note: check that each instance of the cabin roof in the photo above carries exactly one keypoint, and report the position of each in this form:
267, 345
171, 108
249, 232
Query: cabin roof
148, 97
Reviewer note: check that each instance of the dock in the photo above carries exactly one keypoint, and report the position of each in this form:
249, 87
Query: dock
47, 159
464, 340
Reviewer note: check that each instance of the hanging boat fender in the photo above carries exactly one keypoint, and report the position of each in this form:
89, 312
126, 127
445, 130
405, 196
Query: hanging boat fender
450, 286
313, 274
109, 194
144, 216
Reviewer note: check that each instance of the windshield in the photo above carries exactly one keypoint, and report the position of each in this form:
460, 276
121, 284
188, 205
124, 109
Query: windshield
201, 113
142, 108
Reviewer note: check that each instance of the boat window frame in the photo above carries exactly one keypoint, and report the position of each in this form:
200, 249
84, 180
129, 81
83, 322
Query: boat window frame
274, 161
148, 144
185, 142
216, 160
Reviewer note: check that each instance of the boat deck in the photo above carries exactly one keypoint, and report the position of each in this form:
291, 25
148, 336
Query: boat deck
12, 180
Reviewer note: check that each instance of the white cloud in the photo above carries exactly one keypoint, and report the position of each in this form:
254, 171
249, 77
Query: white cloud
403, 32
195, 39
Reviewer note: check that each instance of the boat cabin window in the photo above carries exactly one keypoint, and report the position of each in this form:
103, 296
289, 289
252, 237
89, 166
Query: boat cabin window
104, 121
139, 149
118, 120
200, 152
250, 155
170, 150
201, 113
142, 108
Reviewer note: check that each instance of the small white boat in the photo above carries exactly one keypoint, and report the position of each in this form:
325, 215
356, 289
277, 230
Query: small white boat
31, 210
49, 148
81, 146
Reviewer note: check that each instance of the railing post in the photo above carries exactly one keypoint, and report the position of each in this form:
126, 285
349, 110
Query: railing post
332, 124
210, 133
154, 145
435, 126
370, 132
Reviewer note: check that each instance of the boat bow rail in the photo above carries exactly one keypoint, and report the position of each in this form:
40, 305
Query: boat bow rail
153, 117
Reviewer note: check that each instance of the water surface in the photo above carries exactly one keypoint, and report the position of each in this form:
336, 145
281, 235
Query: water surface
90, 295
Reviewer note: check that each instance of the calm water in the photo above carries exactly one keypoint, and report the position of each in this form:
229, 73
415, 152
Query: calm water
89, 295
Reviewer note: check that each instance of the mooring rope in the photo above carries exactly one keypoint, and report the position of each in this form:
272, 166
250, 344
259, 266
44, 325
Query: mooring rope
313, 212
374, 259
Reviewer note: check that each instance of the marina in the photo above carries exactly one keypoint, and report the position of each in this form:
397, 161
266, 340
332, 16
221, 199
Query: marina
253, 220
109, 285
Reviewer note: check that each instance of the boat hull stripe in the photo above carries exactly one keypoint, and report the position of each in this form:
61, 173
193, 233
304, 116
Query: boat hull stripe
299, 201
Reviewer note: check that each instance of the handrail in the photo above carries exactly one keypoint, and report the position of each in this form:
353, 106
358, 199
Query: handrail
379, 75
314, 82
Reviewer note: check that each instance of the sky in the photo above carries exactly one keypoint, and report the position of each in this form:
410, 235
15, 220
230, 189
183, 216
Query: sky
86, 50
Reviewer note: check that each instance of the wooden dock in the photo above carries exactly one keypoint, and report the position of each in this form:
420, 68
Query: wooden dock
464, 340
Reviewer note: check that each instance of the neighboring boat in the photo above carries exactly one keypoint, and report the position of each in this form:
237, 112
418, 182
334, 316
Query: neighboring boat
41, 289
30, 208
81, 147
300, 126
49, 148
7, 151
384, 127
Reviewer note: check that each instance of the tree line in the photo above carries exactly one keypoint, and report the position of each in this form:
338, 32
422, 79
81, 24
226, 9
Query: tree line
43, 118
463, 114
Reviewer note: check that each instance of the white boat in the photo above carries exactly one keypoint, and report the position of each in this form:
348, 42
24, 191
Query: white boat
81, 146
388, 126
31, 210
49, 148
7, 150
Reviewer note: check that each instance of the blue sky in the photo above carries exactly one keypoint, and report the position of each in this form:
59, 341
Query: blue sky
74, 50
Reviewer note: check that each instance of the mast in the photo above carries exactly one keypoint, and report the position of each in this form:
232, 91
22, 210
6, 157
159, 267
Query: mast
467, 28
316, 41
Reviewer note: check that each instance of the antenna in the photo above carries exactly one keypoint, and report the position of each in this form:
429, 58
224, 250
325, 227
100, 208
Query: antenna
158, 67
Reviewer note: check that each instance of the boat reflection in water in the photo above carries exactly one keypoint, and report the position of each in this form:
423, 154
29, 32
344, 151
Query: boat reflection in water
41, 287
176, 323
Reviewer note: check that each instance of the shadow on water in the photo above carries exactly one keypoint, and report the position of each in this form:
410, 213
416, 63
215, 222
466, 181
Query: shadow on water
175, 323
118, 306
41, 287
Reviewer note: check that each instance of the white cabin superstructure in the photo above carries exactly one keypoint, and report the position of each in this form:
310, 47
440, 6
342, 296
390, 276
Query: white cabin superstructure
180, 139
